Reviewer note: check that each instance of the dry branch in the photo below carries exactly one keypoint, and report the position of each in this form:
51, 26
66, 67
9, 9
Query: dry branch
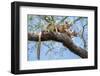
59, 37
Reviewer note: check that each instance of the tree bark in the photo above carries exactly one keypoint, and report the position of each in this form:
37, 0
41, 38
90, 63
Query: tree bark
59, 37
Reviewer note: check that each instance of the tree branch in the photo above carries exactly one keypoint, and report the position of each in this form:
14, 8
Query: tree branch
59, 37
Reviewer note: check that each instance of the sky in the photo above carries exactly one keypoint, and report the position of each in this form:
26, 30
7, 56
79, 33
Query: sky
51, 50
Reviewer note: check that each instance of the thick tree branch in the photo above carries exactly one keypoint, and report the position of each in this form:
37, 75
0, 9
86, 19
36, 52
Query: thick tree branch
59, 37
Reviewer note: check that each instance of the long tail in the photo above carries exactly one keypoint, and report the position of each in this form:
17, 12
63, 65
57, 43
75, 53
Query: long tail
39, 46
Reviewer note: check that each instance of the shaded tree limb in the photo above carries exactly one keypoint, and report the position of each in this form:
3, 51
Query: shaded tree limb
60, 37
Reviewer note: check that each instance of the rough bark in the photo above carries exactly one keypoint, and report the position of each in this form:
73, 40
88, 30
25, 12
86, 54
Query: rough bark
59, 37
